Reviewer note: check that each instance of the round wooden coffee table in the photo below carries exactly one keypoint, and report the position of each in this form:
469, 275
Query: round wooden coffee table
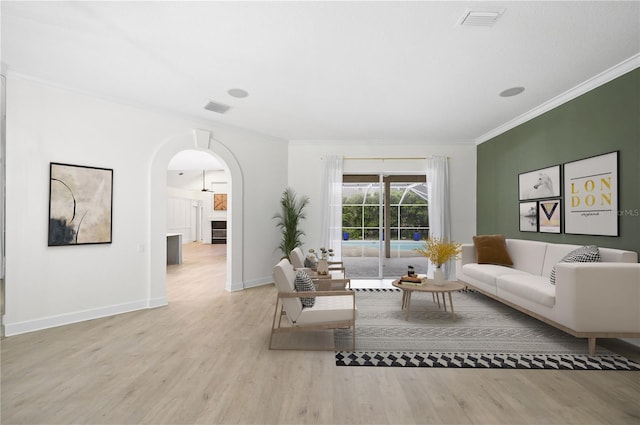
447, 288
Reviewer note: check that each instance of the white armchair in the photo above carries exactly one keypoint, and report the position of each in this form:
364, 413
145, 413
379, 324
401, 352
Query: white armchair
331, 310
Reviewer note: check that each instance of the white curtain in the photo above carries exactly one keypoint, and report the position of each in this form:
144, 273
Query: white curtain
331, 232
438, 198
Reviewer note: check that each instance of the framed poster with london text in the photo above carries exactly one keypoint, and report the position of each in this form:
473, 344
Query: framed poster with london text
591, 196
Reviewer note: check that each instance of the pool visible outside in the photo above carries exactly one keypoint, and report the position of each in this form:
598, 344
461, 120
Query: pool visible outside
395, 245
362, 259
360, 248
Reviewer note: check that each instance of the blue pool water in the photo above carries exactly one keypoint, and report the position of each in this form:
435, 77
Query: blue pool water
402, 245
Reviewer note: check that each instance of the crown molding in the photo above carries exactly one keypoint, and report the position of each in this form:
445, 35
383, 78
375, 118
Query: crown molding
604, 77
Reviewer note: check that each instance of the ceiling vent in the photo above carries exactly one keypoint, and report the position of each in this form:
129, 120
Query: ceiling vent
480, 18
220, 108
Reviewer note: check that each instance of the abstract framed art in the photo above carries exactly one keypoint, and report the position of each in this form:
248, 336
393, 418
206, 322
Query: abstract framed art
591, 195
542, 183
550, 217
80, 204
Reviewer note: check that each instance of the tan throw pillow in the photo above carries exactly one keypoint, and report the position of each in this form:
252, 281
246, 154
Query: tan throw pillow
492, 249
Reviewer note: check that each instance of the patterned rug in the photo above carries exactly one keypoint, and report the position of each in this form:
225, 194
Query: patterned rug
484, 334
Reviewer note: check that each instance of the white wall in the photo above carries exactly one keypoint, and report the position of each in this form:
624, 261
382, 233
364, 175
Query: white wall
49, 286
306, 167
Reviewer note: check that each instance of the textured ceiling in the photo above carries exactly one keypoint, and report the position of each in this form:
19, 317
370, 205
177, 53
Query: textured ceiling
324, 70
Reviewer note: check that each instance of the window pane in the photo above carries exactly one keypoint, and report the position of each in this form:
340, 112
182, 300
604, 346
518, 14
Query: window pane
351, 216
371, 216
393, 221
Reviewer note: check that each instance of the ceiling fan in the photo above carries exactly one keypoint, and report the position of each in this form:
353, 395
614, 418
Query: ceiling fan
204, 189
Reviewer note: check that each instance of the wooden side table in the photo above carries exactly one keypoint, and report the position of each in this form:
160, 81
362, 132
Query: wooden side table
447, 288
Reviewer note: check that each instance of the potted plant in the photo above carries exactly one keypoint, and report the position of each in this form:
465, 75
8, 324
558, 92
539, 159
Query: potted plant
439, 251
289, 218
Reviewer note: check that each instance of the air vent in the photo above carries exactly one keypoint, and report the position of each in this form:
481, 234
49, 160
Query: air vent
480, 18
220, 108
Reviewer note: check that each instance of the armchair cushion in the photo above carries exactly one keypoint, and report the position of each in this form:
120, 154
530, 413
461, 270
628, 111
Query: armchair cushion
303, 283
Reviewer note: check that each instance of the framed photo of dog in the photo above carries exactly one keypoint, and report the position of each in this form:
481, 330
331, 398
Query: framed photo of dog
539, 184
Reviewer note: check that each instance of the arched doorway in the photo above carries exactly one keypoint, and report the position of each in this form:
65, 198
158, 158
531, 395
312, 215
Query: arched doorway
199, 140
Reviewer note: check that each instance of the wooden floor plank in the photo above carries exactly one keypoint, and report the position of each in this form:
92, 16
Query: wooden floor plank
204, 360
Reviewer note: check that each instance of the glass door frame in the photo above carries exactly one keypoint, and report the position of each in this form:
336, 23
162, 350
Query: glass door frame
383, 182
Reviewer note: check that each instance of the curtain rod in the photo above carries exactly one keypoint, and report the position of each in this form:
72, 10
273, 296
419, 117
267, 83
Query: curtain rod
381, 158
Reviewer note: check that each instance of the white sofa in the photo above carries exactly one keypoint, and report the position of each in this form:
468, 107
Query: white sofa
589, 300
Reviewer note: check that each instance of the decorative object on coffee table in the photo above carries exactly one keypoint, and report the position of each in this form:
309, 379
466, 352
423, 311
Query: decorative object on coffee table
439, 251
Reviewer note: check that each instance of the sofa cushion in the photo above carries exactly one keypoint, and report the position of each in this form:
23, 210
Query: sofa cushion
584, 254
527, 255
303, 283
531, 287
492, 249
329, 309
488, 272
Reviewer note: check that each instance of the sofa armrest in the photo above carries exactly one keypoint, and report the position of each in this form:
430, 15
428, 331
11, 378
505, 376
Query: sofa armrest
598, 297
467, 255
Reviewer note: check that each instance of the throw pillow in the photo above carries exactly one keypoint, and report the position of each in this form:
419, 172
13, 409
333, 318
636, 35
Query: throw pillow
492, 249
303, 283
585, 254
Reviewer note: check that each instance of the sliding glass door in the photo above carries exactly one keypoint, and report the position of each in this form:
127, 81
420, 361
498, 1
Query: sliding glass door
384, 219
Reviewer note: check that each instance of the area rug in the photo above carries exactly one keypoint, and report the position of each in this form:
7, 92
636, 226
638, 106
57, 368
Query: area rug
484, 334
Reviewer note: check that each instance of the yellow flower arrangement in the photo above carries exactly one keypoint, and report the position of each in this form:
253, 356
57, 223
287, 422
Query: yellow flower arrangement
439, 251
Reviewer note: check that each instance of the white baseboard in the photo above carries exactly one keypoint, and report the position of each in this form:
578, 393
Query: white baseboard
257, 282
80, 316
158, 302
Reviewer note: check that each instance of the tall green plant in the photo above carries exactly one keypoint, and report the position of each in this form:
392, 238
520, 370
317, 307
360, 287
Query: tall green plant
289, 218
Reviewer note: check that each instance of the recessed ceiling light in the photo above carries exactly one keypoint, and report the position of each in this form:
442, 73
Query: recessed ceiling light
238, 93
513, 91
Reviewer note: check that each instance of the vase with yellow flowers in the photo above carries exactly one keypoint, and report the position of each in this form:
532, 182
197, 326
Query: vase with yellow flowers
439, 251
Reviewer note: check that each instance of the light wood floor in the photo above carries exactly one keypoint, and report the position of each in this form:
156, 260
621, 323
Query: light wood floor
204, 360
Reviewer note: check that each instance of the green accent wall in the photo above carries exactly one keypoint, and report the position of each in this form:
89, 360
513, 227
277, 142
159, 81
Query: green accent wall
603, 120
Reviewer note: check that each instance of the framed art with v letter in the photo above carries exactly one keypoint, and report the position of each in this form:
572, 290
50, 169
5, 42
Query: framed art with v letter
550, 216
